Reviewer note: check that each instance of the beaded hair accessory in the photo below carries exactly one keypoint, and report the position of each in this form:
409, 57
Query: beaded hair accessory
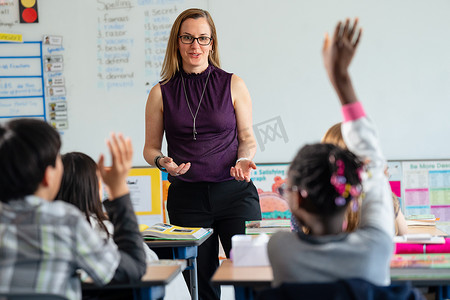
344, 189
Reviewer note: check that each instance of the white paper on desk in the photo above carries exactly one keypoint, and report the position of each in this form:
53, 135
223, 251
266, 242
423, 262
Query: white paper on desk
250, 250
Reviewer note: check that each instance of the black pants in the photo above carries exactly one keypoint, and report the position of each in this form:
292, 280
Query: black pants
223, 206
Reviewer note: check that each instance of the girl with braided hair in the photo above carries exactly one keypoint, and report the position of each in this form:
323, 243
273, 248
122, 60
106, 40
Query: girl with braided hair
324, 179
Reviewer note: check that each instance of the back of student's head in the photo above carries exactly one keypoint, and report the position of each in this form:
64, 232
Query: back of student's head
327, 178
80, 186
27, 148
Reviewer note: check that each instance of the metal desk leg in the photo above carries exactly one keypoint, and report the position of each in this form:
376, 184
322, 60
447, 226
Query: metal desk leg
190, 254
192, 262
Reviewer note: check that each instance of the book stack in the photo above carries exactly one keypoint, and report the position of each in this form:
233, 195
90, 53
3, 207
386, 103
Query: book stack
268, 226
421, 220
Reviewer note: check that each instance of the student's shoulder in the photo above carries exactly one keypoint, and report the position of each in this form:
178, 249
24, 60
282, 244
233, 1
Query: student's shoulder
63, 210
281, 238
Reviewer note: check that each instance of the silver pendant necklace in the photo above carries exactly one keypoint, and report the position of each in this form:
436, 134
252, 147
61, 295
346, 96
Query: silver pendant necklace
194, 117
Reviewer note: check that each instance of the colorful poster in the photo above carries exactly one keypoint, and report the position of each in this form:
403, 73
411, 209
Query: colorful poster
145, 193
427, 188
269, 179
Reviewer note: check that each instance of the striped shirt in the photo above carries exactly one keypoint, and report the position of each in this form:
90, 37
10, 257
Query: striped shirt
43, 243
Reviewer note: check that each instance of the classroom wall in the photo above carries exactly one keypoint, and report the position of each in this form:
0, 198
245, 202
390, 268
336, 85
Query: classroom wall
401, 70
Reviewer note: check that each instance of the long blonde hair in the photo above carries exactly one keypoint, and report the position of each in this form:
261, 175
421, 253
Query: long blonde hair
334, 136
172, 59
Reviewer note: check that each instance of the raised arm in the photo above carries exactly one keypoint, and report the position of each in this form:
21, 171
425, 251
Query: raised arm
154, 130
120, 210
357, 130
247, 144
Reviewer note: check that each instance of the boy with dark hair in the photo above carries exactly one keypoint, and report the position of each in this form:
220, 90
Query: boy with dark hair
44, 242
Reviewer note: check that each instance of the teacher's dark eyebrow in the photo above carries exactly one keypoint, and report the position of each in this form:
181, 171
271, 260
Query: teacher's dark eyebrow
202, 34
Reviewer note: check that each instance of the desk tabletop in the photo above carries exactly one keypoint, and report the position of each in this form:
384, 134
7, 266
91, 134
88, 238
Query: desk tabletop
157, 243
155, 275
228, 274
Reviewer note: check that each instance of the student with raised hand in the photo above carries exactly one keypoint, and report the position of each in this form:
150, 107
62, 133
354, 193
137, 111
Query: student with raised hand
323, 179
81, 186
43, 242
334, 136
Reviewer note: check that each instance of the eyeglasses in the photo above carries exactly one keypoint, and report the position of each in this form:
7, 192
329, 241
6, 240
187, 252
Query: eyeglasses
202, 40
284, 188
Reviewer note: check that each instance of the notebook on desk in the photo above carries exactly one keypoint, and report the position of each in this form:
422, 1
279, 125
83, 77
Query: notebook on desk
164, 231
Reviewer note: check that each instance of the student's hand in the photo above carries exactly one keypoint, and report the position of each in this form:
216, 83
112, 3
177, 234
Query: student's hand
338, 51
172, 168
115, 176
241, 171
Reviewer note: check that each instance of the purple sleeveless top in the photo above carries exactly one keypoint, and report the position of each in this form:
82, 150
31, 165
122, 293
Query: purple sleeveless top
214, 151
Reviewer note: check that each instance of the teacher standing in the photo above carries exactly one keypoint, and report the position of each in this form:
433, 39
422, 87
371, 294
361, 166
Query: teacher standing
206, 115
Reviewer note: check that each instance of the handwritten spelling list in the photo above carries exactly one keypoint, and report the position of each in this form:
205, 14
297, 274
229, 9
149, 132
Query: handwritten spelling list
126, 54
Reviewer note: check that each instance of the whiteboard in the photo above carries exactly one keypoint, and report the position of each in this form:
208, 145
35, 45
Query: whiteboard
401, 70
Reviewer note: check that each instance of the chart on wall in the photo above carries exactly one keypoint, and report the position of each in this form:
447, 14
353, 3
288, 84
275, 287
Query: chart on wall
423, 187
21, 80
426, 186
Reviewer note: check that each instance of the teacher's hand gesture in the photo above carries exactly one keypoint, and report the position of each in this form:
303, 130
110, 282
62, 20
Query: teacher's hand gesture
172, 168
241, 171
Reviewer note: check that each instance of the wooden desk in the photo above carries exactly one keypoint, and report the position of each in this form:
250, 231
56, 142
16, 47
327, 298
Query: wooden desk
228, 274
247, 279
151, 286
183, 249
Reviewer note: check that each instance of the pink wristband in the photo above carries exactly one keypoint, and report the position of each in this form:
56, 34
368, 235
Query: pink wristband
353, 111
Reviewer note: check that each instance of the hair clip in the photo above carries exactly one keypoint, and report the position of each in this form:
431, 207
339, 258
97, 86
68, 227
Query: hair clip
341, 167
332, 159
355, 205
355, 190
339, 201
304, 193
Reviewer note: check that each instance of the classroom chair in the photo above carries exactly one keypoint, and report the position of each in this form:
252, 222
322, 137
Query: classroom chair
349, 289
30, 296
